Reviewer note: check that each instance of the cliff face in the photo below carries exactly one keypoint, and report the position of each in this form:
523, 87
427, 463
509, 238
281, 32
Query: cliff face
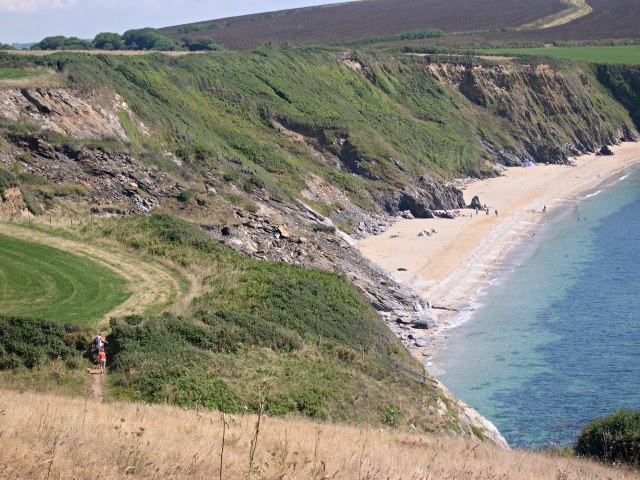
549, 113
72, 113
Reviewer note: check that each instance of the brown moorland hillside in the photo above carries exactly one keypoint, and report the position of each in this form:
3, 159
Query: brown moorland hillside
610, 19
366, 19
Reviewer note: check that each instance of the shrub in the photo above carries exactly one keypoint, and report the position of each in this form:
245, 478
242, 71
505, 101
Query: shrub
7, 180
390, 415
187, 195
30, 200
30, 342
615, 438
108, 41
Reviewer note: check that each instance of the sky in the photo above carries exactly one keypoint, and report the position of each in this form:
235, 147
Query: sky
23, 21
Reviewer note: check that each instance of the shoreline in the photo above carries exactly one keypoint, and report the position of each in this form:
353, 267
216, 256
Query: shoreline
450, 268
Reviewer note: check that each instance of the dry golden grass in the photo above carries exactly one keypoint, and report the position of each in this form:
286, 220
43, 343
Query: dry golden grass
54, 437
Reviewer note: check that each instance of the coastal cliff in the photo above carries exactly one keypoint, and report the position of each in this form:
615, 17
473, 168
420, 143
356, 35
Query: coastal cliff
294, 162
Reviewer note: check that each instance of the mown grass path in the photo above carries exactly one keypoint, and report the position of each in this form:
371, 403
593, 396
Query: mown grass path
44, 282
47, 276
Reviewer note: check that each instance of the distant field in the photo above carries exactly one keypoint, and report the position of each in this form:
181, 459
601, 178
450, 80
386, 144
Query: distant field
629, 54
44, 282
14, 74
365, 19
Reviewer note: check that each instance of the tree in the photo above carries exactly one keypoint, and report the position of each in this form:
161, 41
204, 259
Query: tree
148, 39
200, 44
50, 43
75, 43
108, 41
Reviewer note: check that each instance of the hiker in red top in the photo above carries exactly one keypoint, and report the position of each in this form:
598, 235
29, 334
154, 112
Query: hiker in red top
102, 360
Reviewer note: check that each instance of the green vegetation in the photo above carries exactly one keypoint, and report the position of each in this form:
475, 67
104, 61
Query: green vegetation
298, 340
44, 282
148, 39
614, 438
626, 54
30, 343
62, 43
137, 39
108, 41
201, 44
7, 180
218, 113
418, 34
624, 83
15, 74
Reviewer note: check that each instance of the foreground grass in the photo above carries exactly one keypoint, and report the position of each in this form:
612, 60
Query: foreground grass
624, 54
46, 436
44, 282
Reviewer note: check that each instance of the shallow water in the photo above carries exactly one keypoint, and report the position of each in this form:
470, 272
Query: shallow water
554, 340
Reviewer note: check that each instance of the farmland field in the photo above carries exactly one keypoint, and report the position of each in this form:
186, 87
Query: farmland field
629, 54
44, 282
358, 20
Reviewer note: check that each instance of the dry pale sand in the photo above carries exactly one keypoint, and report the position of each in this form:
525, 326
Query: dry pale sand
448, 267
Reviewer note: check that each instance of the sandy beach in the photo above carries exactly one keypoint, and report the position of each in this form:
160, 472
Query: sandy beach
448, 267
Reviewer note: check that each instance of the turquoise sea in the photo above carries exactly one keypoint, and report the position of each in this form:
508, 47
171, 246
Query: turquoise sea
554, 339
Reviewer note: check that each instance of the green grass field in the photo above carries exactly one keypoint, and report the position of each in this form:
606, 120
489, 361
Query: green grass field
13, 74
626, 54
44, 282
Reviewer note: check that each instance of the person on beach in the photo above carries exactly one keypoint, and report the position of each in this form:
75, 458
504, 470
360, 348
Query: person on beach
544, 209
102, 360
487, 210
496, 212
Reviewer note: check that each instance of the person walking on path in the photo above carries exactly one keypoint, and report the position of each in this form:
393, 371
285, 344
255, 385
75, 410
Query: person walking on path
102, 360
99, 341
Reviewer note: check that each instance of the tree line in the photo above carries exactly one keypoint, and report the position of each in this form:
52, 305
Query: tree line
137, 39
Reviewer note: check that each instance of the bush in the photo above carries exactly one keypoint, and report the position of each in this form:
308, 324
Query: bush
615, 438
7, 180
187, 195
30, 342
148, 39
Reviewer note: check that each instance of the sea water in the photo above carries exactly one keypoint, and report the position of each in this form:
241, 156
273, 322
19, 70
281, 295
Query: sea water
554, 339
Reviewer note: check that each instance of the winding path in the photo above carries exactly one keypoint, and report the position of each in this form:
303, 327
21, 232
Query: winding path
575, 9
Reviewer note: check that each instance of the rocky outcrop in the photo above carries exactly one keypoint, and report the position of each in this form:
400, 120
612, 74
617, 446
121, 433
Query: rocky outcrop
551, 113
427, 195
115, 182
71, 113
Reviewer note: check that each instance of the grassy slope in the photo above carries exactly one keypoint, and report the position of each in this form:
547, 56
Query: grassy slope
299, 340
13, 74
214, 110
43, 282
293, 339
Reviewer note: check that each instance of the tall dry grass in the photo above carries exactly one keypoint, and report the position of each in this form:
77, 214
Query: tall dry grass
49, 437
